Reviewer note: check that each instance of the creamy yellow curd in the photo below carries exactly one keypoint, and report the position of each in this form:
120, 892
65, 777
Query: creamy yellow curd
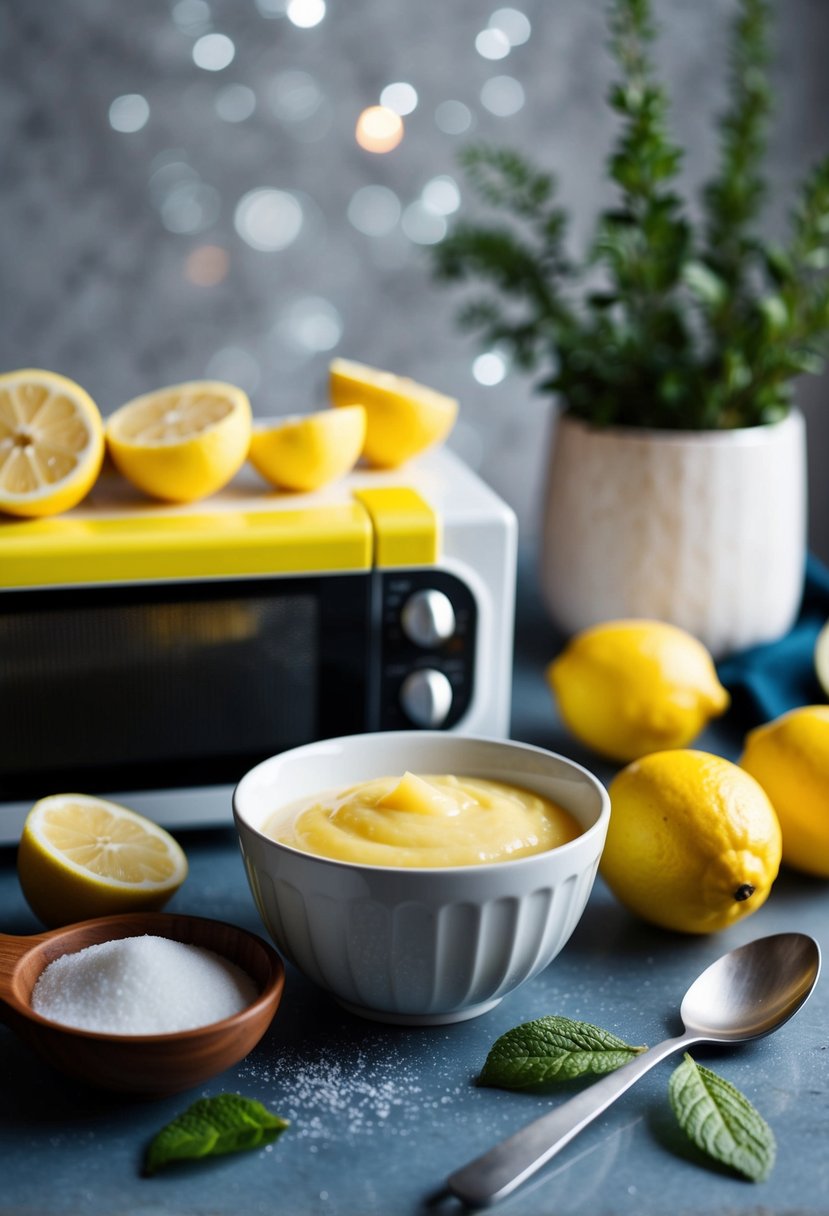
424, 821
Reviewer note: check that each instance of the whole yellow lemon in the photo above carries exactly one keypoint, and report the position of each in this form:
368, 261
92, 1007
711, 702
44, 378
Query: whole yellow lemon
627, 688
693, 842
790, 759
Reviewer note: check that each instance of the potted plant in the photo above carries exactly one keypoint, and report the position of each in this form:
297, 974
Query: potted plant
676, 484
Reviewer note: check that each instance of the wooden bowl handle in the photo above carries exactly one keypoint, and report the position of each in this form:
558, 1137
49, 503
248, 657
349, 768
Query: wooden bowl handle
12, 949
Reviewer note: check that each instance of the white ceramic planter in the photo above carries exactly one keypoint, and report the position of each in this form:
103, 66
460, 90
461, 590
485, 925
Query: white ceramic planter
705, 529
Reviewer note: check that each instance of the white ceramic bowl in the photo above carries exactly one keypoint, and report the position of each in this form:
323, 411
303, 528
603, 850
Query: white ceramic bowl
419, 946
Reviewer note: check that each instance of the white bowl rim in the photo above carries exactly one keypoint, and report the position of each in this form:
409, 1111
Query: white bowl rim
480, 868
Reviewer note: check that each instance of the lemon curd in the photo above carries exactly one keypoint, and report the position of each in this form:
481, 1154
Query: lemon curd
424, 821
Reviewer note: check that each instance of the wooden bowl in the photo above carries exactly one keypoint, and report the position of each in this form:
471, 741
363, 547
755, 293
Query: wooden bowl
155, 1064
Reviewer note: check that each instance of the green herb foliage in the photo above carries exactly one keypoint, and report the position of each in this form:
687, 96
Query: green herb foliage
665, 323
550, 1050
721, 1121
226, 1123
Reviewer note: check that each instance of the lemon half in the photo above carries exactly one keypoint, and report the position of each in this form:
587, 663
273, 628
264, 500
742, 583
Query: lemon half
402, 417
307, 452
693, 843
81, 856
51, 443
183, 442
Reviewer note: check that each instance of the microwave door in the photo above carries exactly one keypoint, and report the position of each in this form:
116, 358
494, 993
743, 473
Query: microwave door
167, 686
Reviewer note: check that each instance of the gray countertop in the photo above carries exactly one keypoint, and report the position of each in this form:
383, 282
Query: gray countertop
380, 1115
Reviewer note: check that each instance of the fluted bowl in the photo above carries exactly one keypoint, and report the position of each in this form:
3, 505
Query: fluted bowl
418, 946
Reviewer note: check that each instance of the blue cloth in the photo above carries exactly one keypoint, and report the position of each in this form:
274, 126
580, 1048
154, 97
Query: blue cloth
766, 681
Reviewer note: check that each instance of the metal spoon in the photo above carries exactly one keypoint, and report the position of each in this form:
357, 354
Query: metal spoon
744, 995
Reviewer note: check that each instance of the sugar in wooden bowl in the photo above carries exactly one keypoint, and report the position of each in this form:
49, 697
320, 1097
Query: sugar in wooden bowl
154, 973
142, 985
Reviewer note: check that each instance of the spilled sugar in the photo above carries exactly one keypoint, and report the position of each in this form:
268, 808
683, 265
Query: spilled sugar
326, 1095
340, 1092
141, 985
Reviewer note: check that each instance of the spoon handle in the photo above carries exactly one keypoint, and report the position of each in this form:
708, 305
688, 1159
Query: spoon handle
499, 1171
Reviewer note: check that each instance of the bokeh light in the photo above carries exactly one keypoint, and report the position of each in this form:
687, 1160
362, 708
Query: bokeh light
294, 96
129, 113
490, 368
192, 17
168, 170
502, 96
379, 129
190, 207
492, 44
423, 226
311, 324
305, 13
513, 24
400, 97
374, 210
235, 103
441, 195
453, 117
268, 220
207, 265
213, 52
298, 102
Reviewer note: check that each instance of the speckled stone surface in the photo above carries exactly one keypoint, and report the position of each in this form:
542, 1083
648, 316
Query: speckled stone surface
99, 232
381, 1115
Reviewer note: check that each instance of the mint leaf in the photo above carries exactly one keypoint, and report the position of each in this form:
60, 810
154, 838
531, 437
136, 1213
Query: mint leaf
227, 1123
552, 1049
721, 1121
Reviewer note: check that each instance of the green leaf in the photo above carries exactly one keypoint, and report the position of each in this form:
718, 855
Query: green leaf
552, 1049
805, 361
775, 314
505, 178
226, 1123
817, 258
721, 1121
706, 286
778, 264
674, 317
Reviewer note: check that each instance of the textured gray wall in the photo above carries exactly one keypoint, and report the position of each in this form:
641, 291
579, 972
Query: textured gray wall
96, 284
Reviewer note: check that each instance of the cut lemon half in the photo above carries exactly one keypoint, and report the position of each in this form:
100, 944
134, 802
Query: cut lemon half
51, 443
183, 442
402, 417
305, 453
822, 658
82, 856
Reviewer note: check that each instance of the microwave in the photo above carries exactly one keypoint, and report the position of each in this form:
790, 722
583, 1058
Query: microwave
152, 653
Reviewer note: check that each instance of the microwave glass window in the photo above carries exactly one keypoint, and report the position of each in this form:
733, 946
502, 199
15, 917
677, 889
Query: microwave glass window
115, 685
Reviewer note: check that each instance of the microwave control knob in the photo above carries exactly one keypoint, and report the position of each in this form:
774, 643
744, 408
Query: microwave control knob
428, 618
426, 697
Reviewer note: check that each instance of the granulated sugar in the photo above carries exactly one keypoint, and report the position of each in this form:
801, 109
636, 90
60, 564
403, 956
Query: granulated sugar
345, 1092
141, 985
331, 1096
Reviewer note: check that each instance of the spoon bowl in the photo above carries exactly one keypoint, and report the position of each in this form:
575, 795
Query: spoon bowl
744, 995
752, 990
150, 1065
